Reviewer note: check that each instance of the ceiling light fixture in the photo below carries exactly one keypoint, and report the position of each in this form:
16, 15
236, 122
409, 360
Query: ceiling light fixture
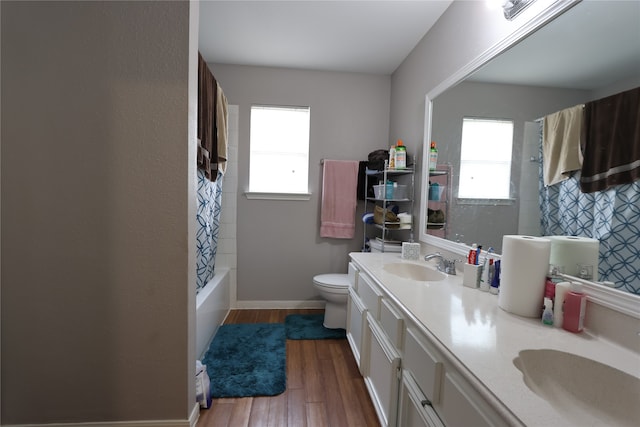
513, 8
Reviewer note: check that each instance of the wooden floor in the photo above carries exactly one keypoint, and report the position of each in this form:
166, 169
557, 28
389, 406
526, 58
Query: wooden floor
324, 386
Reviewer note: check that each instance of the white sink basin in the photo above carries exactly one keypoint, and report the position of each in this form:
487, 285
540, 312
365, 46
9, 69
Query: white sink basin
414, 272
586, 392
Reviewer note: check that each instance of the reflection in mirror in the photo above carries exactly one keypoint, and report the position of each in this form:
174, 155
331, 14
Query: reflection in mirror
589, 52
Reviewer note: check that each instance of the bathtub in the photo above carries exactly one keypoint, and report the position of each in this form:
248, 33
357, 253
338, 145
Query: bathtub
212, 306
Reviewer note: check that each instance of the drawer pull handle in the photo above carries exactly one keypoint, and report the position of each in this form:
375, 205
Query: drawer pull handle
425, 402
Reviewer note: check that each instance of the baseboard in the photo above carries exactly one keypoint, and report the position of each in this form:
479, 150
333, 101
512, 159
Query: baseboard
195, 415
191, 422
281, 305
154, 423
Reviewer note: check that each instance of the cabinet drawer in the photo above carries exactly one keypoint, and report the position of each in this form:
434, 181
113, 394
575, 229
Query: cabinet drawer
353, 275
424, 364
414, 409
460, 405
370, 295
392, 323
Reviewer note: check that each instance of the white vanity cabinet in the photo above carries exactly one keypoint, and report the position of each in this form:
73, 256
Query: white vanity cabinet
374, 331
411, 378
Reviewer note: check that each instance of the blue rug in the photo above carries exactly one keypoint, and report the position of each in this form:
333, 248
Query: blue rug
247, 359
310, 327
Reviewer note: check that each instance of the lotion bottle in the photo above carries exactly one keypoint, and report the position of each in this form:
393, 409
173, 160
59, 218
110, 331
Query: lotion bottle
401, 155
433, 156
574, 307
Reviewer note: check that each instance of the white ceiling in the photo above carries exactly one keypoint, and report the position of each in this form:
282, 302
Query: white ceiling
354, 36
578, 50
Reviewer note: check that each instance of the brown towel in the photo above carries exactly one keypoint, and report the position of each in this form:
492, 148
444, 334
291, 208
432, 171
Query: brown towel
207, 126
611, 141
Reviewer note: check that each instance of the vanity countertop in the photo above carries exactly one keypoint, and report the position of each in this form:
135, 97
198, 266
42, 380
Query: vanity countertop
486, 339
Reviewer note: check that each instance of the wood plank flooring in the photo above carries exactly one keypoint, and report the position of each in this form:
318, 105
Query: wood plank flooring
324, 386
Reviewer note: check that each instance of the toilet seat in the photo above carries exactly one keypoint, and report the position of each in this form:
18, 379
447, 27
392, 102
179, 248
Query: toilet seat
332, 281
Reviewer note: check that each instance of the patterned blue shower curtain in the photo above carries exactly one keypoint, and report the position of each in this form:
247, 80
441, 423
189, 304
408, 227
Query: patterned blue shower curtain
611, 216
207, 227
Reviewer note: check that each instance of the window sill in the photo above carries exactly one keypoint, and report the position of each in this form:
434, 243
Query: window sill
252, 195
486, 202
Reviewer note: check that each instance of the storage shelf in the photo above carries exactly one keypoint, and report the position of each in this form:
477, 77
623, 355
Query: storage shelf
441, 176
386, 229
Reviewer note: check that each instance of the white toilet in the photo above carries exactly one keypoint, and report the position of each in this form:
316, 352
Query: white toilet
334, 288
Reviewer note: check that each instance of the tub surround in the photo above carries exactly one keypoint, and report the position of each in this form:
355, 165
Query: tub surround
485, 339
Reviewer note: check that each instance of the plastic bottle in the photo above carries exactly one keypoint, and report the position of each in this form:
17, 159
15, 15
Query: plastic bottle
574, 307
392, 157
401, 155
561, 291
547, 314
433, 156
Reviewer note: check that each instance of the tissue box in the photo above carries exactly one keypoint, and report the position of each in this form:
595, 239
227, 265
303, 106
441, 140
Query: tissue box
410, 250
472, 275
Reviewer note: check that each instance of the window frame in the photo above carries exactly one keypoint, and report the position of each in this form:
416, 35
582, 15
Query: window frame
279, 195
490, 201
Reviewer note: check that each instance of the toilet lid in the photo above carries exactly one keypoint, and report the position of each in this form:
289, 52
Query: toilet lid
332, 280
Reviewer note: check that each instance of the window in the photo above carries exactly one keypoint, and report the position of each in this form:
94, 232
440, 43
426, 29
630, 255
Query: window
279, 153
485, 158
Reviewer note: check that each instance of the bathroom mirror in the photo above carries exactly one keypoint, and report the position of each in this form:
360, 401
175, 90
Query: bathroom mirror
590, 51
575, 70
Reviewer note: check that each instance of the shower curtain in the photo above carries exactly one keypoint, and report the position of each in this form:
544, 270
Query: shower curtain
207, 227
611, 216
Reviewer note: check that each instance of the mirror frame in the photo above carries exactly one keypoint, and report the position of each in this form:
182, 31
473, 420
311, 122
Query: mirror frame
623, 302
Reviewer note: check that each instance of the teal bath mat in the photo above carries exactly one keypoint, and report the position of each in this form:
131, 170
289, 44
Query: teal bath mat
309, 327
247, 359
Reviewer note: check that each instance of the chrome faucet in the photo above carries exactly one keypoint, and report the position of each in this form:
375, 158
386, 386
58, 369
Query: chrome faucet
447, 266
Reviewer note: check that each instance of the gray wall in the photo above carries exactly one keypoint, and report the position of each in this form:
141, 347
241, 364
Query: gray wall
98, 190
279, 247
517, 103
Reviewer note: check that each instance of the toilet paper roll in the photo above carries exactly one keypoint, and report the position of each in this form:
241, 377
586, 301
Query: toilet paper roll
525, 263
569, 251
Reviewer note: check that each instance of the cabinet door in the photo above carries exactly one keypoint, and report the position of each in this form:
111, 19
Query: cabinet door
414, 409
424, 364
382, 373
355, 328
462, 406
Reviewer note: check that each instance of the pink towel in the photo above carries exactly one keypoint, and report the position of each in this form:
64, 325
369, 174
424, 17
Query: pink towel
339, 191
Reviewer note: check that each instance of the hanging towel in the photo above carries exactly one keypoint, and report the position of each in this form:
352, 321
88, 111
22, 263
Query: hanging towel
561, 144
611, 141
339, 188
222, 119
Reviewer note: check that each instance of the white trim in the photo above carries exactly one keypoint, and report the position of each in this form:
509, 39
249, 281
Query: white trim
253, 195
146, 423
275, 305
